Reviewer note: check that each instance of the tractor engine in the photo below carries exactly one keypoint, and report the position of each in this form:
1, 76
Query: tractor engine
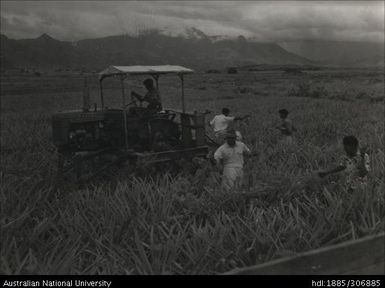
77, 131
87, 131
84, 136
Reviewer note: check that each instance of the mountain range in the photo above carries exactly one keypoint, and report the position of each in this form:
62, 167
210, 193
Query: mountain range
197, 51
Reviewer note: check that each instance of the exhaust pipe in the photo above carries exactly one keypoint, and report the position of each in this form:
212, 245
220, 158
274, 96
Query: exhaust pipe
86, 96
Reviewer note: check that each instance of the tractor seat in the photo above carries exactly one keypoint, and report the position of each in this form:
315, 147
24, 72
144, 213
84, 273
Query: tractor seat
166, 115
142, 112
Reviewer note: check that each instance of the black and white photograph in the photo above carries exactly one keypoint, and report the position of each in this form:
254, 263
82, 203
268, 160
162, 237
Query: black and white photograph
192, 138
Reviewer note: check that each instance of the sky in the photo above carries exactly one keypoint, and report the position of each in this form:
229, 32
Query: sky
264, 21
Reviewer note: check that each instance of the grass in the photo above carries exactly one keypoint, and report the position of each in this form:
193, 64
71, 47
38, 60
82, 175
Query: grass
186, 224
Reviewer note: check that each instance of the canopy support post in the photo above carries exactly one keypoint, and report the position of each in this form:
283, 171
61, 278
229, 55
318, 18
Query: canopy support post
156, 77
124, 112
183, 102
101, 93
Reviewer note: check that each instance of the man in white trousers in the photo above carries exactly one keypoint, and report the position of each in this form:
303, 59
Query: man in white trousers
229, 157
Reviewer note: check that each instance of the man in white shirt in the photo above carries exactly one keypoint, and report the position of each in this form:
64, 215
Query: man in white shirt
229, 156
221, 123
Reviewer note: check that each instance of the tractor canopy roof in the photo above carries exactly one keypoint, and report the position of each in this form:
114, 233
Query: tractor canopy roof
143, 70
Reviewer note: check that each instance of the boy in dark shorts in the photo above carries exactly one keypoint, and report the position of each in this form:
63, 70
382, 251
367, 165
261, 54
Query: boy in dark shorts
286, 127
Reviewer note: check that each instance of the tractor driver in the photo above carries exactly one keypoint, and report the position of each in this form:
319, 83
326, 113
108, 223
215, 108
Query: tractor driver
152, 96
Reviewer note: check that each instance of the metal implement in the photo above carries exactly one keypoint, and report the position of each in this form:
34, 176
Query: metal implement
355, 257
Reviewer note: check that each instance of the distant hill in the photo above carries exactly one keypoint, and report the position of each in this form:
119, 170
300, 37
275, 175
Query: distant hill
43, 51
339, 53
198, 51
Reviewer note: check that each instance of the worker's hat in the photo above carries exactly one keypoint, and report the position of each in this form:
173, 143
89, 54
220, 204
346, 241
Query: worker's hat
231, 134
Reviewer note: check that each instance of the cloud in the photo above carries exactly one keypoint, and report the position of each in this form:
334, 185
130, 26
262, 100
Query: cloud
264, 21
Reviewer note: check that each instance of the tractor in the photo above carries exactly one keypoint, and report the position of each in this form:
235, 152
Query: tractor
127, 133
